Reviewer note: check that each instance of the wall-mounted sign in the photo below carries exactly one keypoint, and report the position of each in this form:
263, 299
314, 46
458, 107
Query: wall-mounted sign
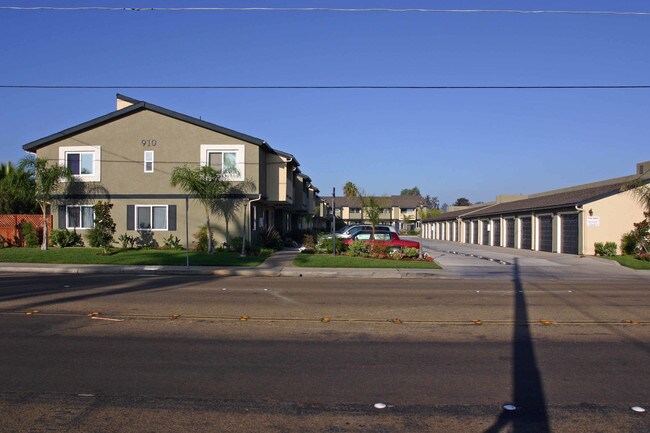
593, 221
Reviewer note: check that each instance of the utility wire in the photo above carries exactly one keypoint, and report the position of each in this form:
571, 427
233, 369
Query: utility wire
315, 9
334, 87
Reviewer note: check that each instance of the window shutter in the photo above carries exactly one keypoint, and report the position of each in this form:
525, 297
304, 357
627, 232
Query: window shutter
130, 217
61, 215
171, 217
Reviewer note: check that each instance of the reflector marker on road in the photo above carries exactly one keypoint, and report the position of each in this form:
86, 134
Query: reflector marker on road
244, 318
29, 313
325, 319
509, 407
638, 409
93, 314
380, 405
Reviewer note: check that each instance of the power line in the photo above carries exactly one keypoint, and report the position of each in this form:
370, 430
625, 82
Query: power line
333, 87
315, 9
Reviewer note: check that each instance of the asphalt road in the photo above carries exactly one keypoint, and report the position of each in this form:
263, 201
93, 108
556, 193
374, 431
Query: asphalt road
443, 355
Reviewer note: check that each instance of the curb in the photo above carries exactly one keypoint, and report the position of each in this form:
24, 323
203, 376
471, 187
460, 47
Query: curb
290, 272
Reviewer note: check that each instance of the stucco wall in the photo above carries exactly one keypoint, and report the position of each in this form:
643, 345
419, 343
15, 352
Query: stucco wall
616, 215
176, 143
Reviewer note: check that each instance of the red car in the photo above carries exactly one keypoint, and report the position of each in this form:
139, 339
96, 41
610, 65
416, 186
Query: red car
389, 239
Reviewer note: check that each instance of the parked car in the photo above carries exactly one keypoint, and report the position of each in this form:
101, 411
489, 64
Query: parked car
351, 230
389, 239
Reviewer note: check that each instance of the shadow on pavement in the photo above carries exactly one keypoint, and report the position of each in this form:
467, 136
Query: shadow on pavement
528, 390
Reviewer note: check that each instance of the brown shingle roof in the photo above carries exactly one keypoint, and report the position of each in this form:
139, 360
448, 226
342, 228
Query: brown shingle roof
561, 199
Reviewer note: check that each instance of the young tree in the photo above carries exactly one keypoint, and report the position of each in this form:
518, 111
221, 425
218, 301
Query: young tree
49, 179
101, 235
205, 184
373, 207
230, 201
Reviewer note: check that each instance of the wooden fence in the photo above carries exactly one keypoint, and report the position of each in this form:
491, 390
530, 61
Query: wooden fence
10, 226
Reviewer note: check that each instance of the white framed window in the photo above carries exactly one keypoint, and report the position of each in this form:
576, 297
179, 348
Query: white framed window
151, 217
83, 161
148, 161
79, 217
225, 158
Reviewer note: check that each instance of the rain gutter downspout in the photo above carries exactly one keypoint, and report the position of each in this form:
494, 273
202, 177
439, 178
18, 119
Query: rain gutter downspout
250, 231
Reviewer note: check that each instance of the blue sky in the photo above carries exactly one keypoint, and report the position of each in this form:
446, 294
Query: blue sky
449, 143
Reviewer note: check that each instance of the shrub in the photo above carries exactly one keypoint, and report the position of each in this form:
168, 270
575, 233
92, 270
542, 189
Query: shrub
325, 245
379, 251
308, 242
644, 256
172, 243
146, 240
266, 251
65, 238
357, 249
202, 239
607, 249
628, 243
236, 243
270, 238
29, 234
411, 253
127, 241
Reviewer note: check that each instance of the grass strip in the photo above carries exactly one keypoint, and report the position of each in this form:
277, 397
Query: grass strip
631, 262
142, 257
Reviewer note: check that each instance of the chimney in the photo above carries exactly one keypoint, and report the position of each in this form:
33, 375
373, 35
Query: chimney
124, 101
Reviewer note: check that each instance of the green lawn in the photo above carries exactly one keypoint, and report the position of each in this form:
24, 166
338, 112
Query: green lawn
631, 262
329, 261
124, 257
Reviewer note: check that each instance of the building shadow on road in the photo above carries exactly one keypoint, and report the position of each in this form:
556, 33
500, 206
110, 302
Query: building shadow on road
528, 390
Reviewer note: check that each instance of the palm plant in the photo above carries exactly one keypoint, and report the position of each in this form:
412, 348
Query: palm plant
205, 185
350, 190
49, 179
16, 190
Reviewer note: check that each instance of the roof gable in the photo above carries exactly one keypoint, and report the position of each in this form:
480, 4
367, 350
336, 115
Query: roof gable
134, 108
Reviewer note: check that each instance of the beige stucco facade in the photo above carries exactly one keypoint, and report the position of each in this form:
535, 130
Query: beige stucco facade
608, 219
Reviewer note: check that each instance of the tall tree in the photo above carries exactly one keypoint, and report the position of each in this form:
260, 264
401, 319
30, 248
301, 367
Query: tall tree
230, 201
462, 202
49, 181
411, 191
431, 202
350, 190
16, 190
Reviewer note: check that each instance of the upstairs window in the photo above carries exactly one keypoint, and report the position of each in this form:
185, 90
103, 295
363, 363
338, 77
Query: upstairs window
80, 163
223, 162
225, 158
83, 161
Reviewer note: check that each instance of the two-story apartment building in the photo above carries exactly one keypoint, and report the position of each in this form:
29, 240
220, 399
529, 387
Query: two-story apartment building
131, 153
404, 212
